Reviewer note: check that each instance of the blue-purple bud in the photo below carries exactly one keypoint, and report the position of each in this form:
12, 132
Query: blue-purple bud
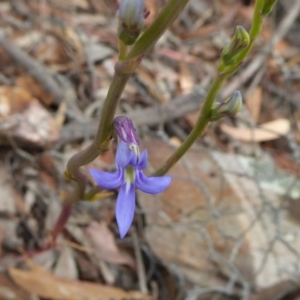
131, 20
125, 130
230, 107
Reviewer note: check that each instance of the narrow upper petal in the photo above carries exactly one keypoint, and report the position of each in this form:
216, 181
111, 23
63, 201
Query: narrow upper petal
108, 180
151, 185
143, 160
125, 207
123, 155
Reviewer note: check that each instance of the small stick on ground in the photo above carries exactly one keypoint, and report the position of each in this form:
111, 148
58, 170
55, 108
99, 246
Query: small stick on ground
140, 264
34, 68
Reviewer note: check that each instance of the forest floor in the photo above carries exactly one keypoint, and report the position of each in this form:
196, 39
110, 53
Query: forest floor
228, 226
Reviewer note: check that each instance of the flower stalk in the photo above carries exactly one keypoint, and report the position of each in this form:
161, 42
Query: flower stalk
124, 68
199, 128
224, 71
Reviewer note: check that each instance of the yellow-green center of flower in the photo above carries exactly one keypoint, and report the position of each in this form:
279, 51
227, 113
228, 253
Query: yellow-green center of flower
129, 174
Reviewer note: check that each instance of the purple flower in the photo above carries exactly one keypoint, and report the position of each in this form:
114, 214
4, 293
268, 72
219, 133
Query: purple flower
129, 175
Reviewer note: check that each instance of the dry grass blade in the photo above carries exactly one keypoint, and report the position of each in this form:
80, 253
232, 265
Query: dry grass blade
266, 132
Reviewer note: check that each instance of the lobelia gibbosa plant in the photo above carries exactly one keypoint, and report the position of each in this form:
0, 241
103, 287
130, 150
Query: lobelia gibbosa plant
133, 45
129, 174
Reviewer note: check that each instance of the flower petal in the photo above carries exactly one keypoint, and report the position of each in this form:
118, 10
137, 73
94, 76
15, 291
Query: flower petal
123, 155
125, 207
108, 180
151, 185
143, 160
125, 130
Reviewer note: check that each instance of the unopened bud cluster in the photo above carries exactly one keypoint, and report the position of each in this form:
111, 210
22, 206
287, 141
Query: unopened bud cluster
239, 42
131, 20
230, 107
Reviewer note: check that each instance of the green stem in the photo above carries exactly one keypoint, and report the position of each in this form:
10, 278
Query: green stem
255, 29
92, 192
115, 91
164, 19
197, 130
101, 142
122, 50
216, 85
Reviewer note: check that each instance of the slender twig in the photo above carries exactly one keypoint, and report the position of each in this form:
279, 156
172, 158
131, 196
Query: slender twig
36, 69
140, 264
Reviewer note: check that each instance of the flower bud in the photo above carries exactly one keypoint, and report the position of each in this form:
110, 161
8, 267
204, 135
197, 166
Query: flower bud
125, 130
131, 20
230, 107
240, 41
268, 6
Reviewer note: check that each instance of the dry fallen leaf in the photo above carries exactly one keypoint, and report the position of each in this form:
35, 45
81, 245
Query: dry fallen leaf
13, 99
105, 245
35, 125
38, 281
66, 265
24, 118
149, 81
28, 83
266, 132
10, 291
253, 102
212, 201
51, 51
178, 218
186, 78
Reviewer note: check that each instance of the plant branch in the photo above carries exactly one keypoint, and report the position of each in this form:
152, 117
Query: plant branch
197, 130
223, 73
124, 68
